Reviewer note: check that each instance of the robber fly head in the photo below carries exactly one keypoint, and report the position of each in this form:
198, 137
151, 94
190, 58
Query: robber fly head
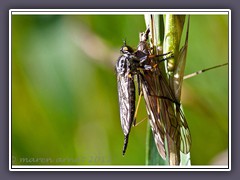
127, 63
125, 49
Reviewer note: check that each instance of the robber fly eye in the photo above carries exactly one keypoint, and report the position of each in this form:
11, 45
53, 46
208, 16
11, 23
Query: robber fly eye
125, 48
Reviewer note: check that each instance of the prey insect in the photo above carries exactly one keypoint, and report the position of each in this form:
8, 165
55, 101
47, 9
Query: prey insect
165, 115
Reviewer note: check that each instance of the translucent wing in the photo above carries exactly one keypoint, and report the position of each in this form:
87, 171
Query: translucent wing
176, 123
126, 97
153, 110
182, 126
165, 115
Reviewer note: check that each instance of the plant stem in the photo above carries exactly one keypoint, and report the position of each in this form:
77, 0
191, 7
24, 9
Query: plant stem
173, 32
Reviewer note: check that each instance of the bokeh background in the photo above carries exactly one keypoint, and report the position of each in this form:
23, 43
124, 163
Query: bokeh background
64, 90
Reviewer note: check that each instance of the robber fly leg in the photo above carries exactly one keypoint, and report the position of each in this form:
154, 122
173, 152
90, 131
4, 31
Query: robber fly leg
136, 111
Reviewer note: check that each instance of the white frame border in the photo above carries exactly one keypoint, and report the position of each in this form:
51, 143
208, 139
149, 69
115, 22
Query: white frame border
125, 12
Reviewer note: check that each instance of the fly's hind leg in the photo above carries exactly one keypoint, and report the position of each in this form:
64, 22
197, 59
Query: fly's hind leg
138, 103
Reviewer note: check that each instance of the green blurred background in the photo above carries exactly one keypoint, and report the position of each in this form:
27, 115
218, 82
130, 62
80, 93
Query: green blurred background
64, 92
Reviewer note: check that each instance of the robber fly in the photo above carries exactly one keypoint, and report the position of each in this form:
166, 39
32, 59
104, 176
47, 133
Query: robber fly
141, 64
127, 68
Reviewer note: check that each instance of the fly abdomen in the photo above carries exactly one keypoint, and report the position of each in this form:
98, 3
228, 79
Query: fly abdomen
127, 114
126, 70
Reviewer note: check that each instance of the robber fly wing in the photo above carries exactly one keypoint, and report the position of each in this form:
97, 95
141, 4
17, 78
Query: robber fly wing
126, 96
126, 102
